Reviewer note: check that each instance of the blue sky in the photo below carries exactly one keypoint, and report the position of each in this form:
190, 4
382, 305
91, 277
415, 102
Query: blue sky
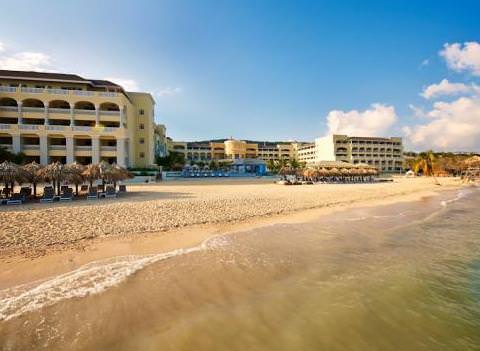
258, 69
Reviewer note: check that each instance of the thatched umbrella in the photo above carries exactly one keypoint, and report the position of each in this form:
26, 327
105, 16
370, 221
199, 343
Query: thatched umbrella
74, 174
91, 173
55, 172
118, 173
9, 173
33, 173
334, 171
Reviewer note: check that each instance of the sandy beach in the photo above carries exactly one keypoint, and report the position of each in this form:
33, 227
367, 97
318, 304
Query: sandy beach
35, 229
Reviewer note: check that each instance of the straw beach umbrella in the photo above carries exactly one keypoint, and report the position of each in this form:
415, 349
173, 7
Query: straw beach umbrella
119, 173
74, 174
33, 173
55, 172
91, 173
9, 173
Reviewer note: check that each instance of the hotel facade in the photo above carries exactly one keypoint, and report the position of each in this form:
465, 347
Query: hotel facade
64, 117
384, 153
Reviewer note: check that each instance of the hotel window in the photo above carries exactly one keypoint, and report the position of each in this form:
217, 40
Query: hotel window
142, 155
142, 141
141, 126
142, 112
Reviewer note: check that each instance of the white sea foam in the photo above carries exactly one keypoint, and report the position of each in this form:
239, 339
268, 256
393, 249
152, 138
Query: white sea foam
460, 194
89, 279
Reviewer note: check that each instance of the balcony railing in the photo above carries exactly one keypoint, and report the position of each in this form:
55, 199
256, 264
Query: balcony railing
8, 89
31, 147
33, 109
83, 147
5, 126
110, 113
88, 112
59, 110
82, 129
58, 128
29, 126
108, 148
29, 90
9, 108
57, 147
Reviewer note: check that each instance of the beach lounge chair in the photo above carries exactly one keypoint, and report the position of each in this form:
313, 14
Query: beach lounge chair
110, 192
67, 195
26, 191
122, 188
92, 193
84, 188
48, 195
16, 199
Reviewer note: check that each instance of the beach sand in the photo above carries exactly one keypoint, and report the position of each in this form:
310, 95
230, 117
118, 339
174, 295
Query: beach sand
39, 240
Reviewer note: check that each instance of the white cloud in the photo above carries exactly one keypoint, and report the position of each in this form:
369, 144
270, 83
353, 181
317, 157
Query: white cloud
375, 121
125, 83
24, 61
453, 126
2, 47
463, 58
168, 91
449, 89
425, 62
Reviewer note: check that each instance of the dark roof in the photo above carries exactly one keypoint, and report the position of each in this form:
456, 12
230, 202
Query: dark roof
56, 76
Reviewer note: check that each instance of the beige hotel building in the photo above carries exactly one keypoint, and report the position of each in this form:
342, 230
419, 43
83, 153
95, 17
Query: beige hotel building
64, 117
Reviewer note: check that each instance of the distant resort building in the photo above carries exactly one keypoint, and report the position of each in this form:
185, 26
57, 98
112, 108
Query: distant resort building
205, 151
386, 154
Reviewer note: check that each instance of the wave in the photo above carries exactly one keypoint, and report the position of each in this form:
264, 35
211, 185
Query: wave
89, 279
460, 195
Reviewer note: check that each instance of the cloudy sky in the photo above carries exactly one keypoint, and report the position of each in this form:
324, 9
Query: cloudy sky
274, 70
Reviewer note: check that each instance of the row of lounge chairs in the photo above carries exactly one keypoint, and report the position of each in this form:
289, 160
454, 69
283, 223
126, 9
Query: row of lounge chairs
66, 194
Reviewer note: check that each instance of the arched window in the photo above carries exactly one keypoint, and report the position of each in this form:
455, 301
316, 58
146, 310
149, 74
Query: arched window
8, 102
109, 106
84, 105
59, 104
33, 103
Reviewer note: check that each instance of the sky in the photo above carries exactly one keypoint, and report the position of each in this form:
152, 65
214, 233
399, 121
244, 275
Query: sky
270, 70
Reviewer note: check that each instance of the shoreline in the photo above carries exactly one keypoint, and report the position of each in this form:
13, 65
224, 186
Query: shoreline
20, 269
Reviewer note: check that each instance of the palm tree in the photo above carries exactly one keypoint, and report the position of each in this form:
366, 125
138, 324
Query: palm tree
74, 174
33, 173
91, 173
425, 163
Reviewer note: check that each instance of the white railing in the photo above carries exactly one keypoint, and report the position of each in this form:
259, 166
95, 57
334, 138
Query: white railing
110, 113
6, 146
33, 109
57, 91
59, 110
32, 90
83, 92
108, 148
8, 89
110, 129
88, 112
82, 129
28, 126
58, 128
9, 108
58, 147
108, 93
5, 126
31, 147
83, 147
